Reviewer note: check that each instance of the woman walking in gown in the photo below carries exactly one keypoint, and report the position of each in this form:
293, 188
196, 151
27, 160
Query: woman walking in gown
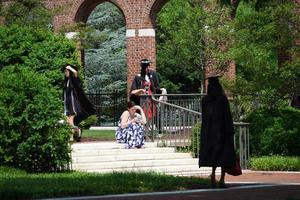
217, 132
76, 105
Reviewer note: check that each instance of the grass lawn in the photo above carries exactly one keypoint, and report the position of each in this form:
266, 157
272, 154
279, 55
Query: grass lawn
16, 184
101, 135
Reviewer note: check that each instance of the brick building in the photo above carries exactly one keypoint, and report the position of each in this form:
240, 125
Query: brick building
139, 17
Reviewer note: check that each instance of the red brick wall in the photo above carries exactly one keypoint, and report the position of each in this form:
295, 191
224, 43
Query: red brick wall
137, 49
138, 14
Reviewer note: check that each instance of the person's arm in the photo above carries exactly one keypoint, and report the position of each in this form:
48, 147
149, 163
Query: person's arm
124, 119
138, 91
72, 70
155, 81
135, 87
144, 120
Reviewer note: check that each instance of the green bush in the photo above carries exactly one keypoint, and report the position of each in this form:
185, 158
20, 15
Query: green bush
275, 163
38, 49
87, 123
195, 144
275, 132
31, 137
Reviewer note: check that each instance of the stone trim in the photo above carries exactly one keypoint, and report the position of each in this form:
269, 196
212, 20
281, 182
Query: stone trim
149, 32
71, 35
130, 33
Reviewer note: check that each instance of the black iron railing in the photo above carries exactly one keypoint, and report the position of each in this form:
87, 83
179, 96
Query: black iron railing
109, 106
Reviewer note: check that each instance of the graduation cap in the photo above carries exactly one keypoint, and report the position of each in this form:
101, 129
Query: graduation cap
213, 78
145, 62
73, 66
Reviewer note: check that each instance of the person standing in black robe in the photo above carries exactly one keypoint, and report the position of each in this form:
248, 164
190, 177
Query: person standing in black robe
217, 132
76, 105
146, 82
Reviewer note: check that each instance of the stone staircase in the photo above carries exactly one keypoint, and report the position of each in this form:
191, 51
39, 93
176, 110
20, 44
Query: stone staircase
104, 157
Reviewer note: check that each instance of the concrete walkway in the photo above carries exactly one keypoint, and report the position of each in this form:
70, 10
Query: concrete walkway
265, 177
252, 185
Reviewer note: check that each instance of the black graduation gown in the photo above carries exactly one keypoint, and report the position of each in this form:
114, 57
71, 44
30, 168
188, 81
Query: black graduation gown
138, 83
217, 132
86, 107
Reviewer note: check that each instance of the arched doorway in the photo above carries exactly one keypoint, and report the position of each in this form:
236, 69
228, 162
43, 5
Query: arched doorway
105, 52
104, 58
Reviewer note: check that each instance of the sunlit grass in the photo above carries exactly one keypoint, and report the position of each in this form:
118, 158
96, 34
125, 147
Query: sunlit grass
104, 135
16, 184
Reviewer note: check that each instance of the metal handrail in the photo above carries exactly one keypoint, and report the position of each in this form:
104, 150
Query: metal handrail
173, 125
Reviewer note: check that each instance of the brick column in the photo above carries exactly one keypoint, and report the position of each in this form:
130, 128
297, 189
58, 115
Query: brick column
140, 36
140, 44
140, 31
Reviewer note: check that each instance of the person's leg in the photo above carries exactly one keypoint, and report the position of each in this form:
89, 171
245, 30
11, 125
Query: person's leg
70, 120
213, 177
222, 178
75, 130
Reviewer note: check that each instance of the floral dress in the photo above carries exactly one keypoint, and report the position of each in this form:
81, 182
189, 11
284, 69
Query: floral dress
133, 135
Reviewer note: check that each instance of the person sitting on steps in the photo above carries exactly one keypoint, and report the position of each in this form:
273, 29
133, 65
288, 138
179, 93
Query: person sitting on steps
131, 129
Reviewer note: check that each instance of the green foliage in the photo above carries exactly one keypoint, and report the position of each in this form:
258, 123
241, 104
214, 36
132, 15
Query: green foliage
195, 146
275, 163
37, 186
87, 123
105, 58
180, 46
275, 132
37, 49
217, 36
30, 108
261, 40
31, 60
28, 13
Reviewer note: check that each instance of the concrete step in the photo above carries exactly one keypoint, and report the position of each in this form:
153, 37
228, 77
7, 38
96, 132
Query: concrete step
135, 164
129, 157
186, 170
105, 145
104, 152
106, 157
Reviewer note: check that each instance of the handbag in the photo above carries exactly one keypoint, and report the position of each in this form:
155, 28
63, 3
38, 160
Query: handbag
236, 169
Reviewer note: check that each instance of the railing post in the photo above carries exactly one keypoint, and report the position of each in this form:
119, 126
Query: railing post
243, 138
152, 118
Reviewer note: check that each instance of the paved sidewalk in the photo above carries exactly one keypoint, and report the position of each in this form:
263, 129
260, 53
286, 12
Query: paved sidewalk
249, 176
250, 185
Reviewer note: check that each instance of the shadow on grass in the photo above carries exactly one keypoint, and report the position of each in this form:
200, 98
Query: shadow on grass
20, 185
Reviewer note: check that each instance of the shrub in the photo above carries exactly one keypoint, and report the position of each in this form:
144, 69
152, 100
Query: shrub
195, 144
87, 123
275, 132
275, 163
38, 49
30, 108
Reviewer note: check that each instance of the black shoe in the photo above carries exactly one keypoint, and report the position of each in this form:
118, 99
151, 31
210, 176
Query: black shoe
213, 183
77, 135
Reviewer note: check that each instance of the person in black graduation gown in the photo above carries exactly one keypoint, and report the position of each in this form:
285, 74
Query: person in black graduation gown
217, 132
146, 82
76, 105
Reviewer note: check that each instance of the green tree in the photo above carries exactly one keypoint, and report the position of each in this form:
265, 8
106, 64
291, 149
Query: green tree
261, 39
27, 13
38, 49
31, 60
105, 60
180, 47
31, 137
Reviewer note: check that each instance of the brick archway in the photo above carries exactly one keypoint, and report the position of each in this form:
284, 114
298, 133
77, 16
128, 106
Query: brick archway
139, 17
